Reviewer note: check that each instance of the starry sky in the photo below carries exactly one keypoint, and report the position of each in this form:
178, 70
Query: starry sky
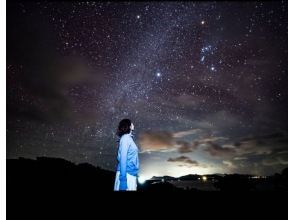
205, 84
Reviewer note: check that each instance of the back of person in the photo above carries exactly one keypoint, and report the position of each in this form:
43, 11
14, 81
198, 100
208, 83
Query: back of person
127, 157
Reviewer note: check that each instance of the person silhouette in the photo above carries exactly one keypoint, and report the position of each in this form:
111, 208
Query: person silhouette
127, 158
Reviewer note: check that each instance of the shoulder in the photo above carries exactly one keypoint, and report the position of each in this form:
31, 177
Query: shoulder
125, 137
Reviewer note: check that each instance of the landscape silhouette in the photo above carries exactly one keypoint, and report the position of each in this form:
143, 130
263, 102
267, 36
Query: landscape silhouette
48, 185
57, 174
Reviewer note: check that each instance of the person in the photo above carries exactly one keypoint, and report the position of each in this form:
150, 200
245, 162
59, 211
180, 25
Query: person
127, 158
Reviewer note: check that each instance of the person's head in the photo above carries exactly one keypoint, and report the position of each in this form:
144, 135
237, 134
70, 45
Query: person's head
124, 127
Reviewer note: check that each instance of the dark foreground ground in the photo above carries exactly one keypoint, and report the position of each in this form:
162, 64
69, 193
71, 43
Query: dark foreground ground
50, 184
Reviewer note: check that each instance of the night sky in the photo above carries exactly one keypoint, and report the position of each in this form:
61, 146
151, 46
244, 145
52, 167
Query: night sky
205, 84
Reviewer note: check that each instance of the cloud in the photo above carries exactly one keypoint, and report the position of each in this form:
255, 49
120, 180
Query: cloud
240, 158
169, 141
217, 150
181, 134
272, 143
246, 146
254, 154
277, 138
166, 140
264, 154
187, 147
256, 148
184, 161
276, 159
229, 164
184, 147
156, 140
212, 139
257, 164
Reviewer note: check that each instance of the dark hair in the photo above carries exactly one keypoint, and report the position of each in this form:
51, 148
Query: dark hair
124, 127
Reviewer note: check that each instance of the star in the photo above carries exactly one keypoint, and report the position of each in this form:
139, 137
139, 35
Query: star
212, 68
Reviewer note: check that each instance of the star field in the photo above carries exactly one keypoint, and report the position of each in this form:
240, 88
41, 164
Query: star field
203, 79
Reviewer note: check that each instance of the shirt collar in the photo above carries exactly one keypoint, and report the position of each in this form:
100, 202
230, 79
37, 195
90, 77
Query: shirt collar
131, 134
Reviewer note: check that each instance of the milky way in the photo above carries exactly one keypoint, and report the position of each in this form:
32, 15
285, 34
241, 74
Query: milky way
205, 84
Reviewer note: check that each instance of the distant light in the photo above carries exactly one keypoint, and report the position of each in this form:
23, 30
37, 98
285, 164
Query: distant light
141, 179
202, 22
204, 178
138, 16
158, 74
